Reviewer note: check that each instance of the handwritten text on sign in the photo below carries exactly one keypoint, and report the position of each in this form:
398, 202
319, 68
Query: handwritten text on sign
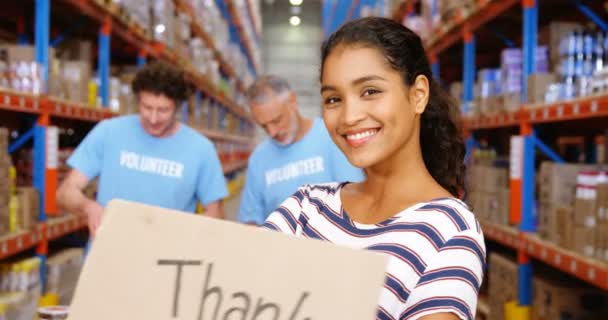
151, 263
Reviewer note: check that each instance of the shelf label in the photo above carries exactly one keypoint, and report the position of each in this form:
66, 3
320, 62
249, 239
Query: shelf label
7, 99
576, 108
560, 110
516, 155
4, 248
543, 253
545, 114
558, 258
52, 147
591, 274
573, 266
594, 106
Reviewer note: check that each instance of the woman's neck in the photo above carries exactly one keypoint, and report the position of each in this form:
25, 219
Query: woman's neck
401, 181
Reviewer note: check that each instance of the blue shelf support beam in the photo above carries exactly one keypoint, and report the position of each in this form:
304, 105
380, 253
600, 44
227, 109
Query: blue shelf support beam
21, 140
524, 280
591, 15
141, 58
21, 32
530, 35
508, 42
546, 150
42, 14
469, 69
42, 27
435, 67
104, 61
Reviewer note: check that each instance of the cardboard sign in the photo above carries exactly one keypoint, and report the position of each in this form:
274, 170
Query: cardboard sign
151, 263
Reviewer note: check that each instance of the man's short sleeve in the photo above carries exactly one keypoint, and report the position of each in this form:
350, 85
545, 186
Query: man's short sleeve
88, 156
211, 185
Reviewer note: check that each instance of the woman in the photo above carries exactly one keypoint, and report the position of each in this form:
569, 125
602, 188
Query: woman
390, 118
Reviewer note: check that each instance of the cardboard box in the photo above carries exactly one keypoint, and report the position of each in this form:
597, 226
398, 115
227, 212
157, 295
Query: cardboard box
602, 199
563, 231
501, 277
555, 299
77, 50
4, 138
557, 182
76, 75
511, 101
584, 241
551, 36
28, 207
537, 86
585, 208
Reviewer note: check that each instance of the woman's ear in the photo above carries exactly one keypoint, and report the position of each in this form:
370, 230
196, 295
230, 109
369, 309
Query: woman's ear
419, 93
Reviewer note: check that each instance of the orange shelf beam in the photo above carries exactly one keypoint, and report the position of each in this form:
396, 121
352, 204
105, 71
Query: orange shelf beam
584, 108
56, 227
234, 166
586, 269
450, 32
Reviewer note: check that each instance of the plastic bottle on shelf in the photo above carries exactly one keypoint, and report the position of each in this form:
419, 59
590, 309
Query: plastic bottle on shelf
598, 52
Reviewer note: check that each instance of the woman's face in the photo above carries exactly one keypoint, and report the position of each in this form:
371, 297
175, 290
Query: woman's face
369, 112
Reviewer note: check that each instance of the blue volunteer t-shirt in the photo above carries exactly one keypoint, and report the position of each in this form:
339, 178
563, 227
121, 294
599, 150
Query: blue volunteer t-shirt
275, 172
170, 172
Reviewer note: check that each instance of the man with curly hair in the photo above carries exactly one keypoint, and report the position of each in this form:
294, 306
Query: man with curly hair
149, 158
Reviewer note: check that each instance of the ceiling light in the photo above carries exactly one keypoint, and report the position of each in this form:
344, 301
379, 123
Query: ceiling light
160, 28
295, 2
295, 21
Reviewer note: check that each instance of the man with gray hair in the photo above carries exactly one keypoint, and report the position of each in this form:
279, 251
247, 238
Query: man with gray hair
299, 151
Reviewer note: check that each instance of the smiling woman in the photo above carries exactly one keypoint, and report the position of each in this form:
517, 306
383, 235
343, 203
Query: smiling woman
384, 111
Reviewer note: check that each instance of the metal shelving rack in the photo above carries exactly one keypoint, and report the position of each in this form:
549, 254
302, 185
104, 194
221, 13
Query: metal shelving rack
523, 239
48, 110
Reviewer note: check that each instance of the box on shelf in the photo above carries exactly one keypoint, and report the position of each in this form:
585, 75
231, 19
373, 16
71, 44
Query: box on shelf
76, 76
557, 182
551, 36
502, 275
20, 70
560, 299
76, 50
28, 207
583, 241
537, 86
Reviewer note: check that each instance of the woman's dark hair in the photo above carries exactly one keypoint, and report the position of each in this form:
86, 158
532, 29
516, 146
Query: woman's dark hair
440, 136
162, 78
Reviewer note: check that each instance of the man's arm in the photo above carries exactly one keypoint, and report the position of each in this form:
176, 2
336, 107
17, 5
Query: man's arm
215, 210
71, 199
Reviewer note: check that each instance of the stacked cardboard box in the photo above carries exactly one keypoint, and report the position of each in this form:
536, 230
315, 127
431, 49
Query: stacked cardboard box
502, 278
28, 207
489, 194
63, 271
557, 187
555, 298
4, 181
585, 211
602, 217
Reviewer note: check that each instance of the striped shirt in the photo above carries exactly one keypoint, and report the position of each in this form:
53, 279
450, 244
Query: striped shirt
436, 249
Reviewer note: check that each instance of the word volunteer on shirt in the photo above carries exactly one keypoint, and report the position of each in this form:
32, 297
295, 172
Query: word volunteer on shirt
295, 169
158, 166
